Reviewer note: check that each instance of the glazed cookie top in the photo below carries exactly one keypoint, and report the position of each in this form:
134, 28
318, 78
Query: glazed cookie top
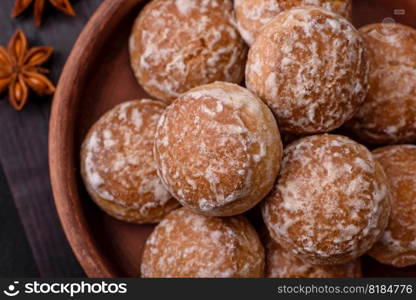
117, 157
390, 43
310, 66
397, 246
216, 145
252, 15
186, 244
388, 114
177, 45
328, 200
281, 263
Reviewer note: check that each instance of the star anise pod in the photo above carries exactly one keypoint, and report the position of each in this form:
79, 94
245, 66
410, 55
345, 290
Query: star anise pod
21, 5
19, 70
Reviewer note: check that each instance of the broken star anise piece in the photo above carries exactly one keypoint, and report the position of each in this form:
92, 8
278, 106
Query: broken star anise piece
21, 5
20, 70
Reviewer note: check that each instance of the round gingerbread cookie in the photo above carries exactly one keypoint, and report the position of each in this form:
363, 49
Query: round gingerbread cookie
177, 45
397, 247
252, 15
281, 263
218, 149
331, 201
186, 244
310, 66
118, 167
388, 115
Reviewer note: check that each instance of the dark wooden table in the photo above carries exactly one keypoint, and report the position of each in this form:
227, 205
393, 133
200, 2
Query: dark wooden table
31, 238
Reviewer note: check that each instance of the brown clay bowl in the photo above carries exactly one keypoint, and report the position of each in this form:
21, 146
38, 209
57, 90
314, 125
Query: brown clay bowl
96, 77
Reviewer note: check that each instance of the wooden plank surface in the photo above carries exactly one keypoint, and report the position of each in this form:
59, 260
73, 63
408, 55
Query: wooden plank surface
16, 259
24, 140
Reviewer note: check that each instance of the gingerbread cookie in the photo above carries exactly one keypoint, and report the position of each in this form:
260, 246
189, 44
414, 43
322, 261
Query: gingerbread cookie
218, 149
186, 244
252, 15
310, 66
388, 115
397, 247
177, 45
117, 163
281, 263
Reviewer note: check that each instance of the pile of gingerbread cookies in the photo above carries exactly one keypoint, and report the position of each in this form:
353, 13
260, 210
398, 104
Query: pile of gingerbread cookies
247, 96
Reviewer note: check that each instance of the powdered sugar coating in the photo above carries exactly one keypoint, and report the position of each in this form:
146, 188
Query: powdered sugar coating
331, 201
218, 149
283, 264
310, 66
397, 246
252, 15
186, 244
388, 114
177, 45
118, 166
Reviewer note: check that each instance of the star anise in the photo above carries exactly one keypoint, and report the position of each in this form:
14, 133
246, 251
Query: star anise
19, 70
21, 5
